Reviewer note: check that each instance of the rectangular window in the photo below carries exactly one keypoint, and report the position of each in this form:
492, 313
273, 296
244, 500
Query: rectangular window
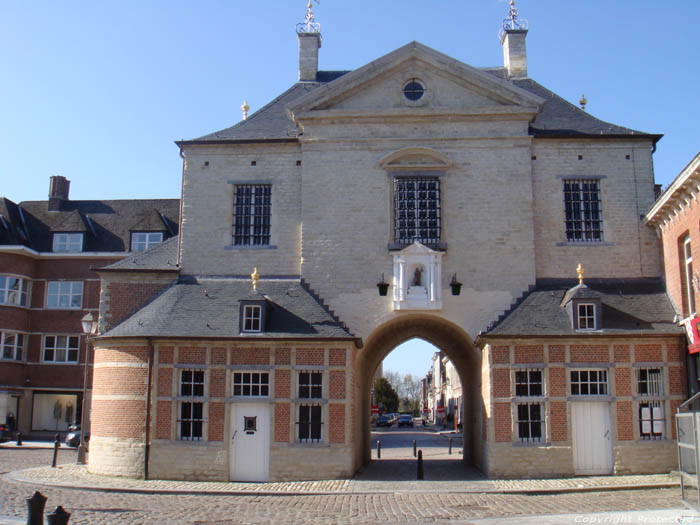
583, 210
311, 385
251, 214
310, 423
64, 294
651, 420
589, 382
68, 242
417, 210
61, 348
530, 422
586, 317
528, 383
191, 412
13, 290
142, 241
251, 384
252, 315
12, 345
687, 273
650, 382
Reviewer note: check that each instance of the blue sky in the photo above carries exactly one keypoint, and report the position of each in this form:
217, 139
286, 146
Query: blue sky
98, 91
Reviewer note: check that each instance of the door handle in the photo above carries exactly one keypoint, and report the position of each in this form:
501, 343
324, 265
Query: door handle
234, 435
606, 433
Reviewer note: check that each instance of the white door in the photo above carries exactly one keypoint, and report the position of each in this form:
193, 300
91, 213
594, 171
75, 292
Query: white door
592, 438
250, 442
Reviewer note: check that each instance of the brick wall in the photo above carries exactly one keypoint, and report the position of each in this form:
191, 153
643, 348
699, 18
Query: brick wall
589, 354
250, 356
336, 431
164, 419
191, 355
502, 422
529, 353
283, 384
124, 298
557, 381
216, 421
623, 381
337, 384
118, 418
648, 353
282, 418
558, 420
501, 382
310, 356
625, 420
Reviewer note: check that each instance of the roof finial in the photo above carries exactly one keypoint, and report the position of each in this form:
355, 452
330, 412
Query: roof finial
309, 25
255, 276
512, 22
579, 272
583, 102
245, 107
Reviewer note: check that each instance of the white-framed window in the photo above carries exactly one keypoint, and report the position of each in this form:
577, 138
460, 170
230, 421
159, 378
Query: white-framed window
252, 318
687, 273
528, 383
417, 214
61, 348
68, 242
530, 422
652, 422
583, 210
142, 241
12, 345
191, 419
650, 382
64, 294
310, 415
586, 316
14, 290
251, 384
592, 382
252, 209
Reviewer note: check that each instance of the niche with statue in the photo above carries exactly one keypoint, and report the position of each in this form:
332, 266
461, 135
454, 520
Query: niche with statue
417, 278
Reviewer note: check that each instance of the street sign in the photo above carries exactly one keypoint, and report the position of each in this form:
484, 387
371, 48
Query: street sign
375, 409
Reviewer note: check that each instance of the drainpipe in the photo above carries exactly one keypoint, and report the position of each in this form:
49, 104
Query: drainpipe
148, 408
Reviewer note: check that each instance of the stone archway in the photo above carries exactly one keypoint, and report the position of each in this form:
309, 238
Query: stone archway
449, 338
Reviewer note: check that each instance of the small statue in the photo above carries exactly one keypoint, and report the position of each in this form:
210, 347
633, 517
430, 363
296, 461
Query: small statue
417, 277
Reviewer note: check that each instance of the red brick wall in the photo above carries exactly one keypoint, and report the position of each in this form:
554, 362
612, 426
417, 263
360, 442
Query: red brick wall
676, 353
120, 381
625, 421
529, 354
165, 354
282, 415
12, 373
191, 355
501, 355
336, 431
126, 298
621, 353
557, 353
502, 422
337, 357
557, 381
165, 381
501, 382
589, 354
310, 356
118, 418
217, 382
676, 380
283, 356
14, 318
557, 410
337, 384
623, 382
649, 353
136, 354
250, 356
19, 265
216, 421
163, 419
218, 356
283, 384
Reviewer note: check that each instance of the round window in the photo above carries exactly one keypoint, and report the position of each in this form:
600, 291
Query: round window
413, 90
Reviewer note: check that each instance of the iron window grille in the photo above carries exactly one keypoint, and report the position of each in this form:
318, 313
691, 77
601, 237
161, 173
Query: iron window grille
13, 290
417, 210
583, 210
142, 241
650, 382
68, 242
191, 412
651, 420
310, 423
251, 214
64, 294
589, 382
61, 348
530, 422
252, 317
528, 383
310, 385
251, 384
12, 345
586, 316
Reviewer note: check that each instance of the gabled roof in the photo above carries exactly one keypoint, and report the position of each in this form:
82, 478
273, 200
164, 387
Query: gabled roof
629, 307
210, 308
580, 291
159, 258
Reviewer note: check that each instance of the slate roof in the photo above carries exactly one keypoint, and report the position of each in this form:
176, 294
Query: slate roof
161, 257
630, 307
558, 117
210, 307
107, 225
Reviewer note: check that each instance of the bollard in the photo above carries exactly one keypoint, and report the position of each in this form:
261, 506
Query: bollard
450, 449
18, 437
58, 517
35, 509
379, 449
420, 465
414, 448
56, 444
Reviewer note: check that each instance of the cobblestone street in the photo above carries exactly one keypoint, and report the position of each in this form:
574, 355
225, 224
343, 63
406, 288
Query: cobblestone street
390, 506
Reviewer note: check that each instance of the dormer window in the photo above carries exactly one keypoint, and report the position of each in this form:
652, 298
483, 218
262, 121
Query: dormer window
68, 242
253, 316
586, 316
142, 241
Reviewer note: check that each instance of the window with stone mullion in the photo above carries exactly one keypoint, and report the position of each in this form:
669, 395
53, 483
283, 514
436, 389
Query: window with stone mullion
583, 210
251, 215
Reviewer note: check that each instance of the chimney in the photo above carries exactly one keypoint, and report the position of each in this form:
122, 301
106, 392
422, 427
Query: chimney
309, 34
512, 36
58, 192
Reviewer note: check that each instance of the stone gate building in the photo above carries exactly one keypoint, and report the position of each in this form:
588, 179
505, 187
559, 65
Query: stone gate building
416, 196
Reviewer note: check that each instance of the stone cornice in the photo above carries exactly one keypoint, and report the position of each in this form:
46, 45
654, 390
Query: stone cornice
678, 196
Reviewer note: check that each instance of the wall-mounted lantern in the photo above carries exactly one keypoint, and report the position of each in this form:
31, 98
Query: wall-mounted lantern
456, 287
383, 287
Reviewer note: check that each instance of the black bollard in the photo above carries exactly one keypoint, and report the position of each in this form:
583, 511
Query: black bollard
58, 517
18, 437
414, 448
56, 444
450, 449
420, 465
35, 509
379, 449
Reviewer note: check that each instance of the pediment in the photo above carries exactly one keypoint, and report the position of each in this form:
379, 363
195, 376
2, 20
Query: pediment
452, 87
416, 249
416, 159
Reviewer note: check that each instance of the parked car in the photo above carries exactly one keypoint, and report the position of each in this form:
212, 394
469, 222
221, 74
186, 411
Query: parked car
405, 420
5, 434
384, 421
73, 436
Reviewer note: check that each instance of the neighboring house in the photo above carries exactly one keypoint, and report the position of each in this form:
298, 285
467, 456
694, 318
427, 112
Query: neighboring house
48, 253
416, 196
